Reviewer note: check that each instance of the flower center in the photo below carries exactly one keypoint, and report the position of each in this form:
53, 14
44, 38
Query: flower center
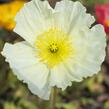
53, 47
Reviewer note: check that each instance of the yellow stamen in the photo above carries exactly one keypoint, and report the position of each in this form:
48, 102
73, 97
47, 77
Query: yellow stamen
53, 47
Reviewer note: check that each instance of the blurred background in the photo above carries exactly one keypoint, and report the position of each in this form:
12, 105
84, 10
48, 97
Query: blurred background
92, 93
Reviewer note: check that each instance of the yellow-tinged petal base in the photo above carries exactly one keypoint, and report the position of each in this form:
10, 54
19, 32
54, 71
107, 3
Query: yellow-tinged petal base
53, 47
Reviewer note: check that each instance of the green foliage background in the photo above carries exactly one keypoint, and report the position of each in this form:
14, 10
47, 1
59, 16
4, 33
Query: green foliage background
92, 93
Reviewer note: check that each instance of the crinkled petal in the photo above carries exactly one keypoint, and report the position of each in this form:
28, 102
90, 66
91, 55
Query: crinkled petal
90, 46
61, 77
42, 93
22, 58
33, 19
72, 15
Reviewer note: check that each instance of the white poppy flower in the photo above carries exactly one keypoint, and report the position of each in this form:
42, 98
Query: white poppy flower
60, 46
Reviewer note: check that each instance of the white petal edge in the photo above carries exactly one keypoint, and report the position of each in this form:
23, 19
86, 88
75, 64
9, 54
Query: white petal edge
61, 77
91, 53
22, 58
33, 19
43, 93
72, 15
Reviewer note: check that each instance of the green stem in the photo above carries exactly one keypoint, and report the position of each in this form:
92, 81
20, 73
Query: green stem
53, 98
